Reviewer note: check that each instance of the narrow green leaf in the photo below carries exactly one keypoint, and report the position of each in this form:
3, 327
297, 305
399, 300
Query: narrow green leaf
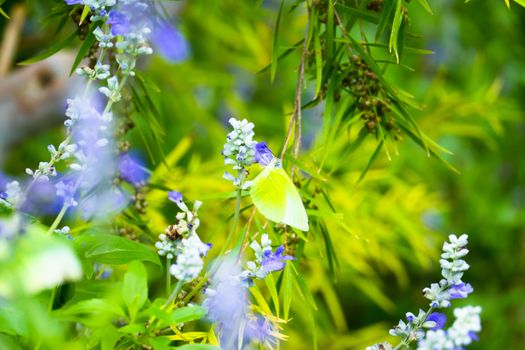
396, 24
275, 44
85, 12
426, 6
385, 19
330, 31
50, 51
286, 290
366, 16
2, 12
270, 283
370, 161
318, 63
417, 140
84, 49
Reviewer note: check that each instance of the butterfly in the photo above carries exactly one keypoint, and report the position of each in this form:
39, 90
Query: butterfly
274, 194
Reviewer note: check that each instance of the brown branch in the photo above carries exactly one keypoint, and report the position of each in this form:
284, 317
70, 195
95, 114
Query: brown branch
295, 121
10, 38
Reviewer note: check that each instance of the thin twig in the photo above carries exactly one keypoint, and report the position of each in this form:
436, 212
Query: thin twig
295, 121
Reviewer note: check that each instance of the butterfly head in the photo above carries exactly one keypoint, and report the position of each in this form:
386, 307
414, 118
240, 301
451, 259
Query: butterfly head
265, 157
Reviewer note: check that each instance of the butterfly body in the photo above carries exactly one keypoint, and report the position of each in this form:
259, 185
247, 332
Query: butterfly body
276, 197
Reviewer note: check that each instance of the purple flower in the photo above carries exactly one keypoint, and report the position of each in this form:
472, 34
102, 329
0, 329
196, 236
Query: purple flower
226, 302
274, 261
263, 155
439, 318
170, 42
460, 291
473, 336
175, 196
3, 195
119, 23
66, 190
131, 170
262, 329
74, 2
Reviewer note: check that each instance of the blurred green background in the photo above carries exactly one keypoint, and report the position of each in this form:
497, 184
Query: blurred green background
472, 88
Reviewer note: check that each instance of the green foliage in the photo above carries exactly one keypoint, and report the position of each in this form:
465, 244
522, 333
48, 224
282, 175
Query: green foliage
378, 206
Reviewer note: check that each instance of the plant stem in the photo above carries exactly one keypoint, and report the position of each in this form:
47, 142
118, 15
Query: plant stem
174, 293
58, 219
52, 300
406, 342
235, 222
168, 275
195, 289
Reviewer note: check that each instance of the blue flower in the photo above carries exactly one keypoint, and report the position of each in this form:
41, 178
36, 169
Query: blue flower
119, 23
274, 261
261, 329
439, 318
74, 2
473, 336
131, 170
227, 302
170, 42
460, 291
3, 195
175, 196
263, 155
66, 190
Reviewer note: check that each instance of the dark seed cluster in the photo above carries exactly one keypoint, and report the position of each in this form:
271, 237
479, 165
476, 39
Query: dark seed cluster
372, 102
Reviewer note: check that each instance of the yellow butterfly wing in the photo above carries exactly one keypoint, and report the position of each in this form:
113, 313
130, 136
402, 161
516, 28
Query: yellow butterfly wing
276, 197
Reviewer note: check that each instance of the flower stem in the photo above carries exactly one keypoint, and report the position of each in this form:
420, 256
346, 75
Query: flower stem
168, 275
174, 293
235, 222
53, 297
406, 342
58, 219
195, 289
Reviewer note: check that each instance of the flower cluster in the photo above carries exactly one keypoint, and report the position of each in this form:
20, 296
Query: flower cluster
440, 294
239, 151
462, 332
181, 241
228, 306
452, 269
13, 195
266, 261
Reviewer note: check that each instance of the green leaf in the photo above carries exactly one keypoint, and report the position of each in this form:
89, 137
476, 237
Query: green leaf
370, 161
396, 25
426, 6
197, 347
386, 15
85, 12
188, 313
50, 51
2, 12
286, 290
318, 63
135, 287
84, 49
366, 16
110, 249
270, 283
273, 68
